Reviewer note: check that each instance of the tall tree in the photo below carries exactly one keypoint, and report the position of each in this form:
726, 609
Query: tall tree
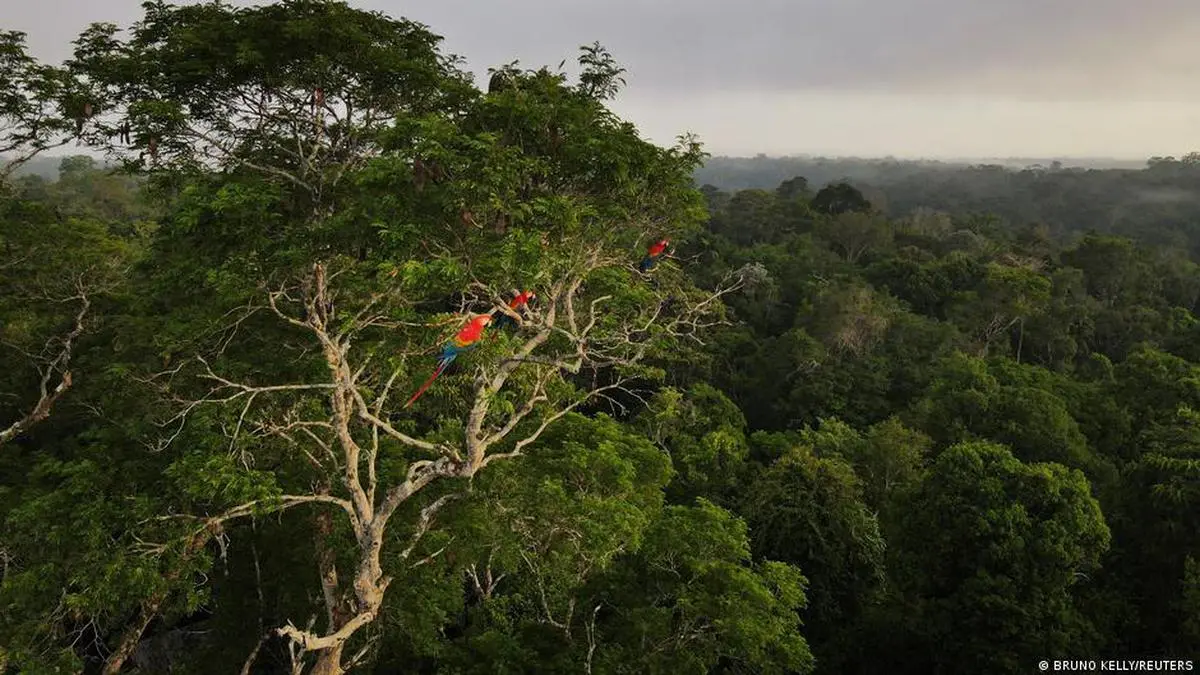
838, 198
40, 107
338, 179
807, 510
988, 531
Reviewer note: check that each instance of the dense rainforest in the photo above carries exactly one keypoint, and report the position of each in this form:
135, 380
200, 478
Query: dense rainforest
1156, 203
942, 426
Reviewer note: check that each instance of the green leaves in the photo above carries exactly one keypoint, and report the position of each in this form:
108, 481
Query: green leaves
840, 198
1190, 599
695, 604
218, 482
39, 105
704, 434
806, 509
986, 530
601, 76
329, 195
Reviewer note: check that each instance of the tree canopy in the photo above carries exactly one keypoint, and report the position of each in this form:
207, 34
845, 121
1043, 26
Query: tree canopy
838, 428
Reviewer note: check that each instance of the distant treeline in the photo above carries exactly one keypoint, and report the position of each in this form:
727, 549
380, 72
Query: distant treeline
1158, 204
763, 172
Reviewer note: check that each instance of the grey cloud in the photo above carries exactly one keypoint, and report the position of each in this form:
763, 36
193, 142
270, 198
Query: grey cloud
1031, 48
903, 77
1039, 49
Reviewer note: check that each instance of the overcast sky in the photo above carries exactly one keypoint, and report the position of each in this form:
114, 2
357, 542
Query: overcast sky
909, 78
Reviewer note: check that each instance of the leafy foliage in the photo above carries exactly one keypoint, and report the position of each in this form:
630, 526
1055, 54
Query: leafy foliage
886, 425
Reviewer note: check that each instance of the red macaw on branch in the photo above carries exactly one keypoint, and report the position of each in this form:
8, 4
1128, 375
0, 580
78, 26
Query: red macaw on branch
466, 339
515, 305
653, 254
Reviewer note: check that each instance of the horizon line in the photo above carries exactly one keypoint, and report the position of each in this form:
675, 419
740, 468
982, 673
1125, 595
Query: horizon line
860, 157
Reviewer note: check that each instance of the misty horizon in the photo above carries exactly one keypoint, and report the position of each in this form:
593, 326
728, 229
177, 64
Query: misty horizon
60, 153
912, 79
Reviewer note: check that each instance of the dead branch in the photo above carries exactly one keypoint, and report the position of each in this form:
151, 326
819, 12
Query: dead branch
343, 443
49, 395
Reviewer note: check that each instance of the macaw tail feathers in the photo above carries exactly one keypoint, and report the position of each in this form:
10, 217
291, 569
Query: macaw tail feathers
647, 263
445, 361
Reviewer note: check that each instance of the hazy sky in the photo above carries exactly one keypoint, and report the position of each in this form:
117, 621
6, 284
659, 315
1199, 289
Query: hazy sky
931, 78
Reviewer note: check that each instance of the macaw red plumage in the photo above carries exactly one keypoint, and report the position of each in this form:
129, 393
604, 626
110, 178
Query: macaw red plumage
515, 305
653, 254
466, 339
520, 300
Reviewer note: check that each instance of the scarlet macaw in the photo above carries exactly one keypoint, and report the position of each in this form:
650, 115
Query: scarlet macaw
466, 339
655, 252
515, 305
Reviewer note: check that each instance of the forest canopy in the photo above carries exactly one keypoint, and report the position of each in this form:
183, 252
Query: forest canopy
814, 426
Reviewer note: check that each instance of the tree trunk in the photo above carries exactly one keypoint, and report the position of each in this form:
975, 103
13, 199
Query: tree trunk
327, 568
329, 661
150, 608
1020, 340
132, 637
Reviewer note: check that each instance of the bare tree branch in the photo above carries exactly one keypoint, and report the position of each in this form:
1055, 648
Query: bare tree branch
48, 395
343, 442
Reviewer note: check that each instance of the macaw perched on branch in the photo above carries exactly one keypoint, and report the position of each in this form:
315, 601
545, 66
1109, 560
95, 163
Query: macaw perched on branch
466, 339
515, 305
653, 254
